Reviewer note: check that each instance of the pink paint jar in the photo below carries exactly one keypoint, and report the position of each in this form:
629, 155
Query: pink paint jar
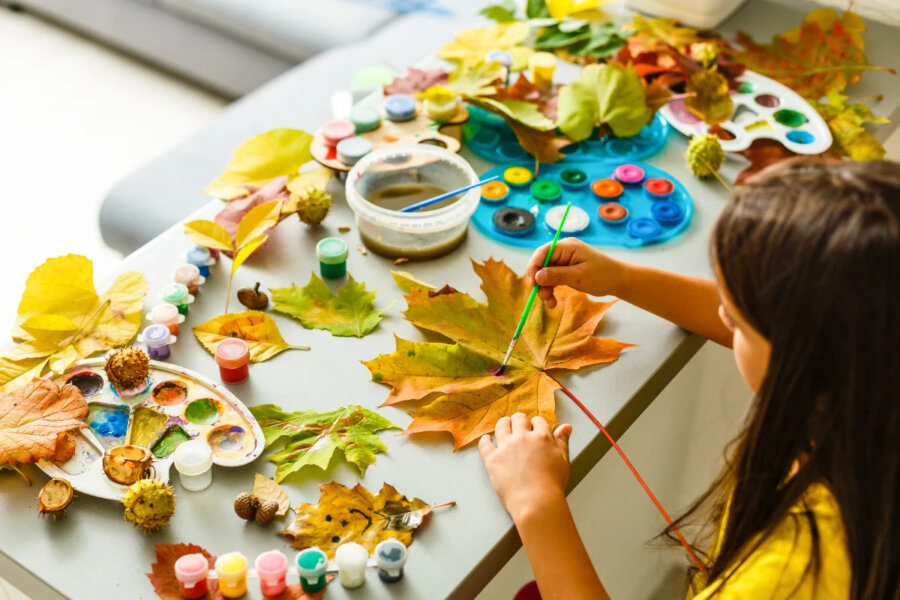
271, 567
233, 358
189, 276
192, 570
335, 131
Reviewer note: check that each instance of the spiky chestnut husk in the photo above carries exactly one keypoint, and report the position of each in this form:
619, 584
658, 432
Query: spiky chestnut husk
266, 512
313, 206
246, 505
55, 496
127, 368
704, 155
149, 504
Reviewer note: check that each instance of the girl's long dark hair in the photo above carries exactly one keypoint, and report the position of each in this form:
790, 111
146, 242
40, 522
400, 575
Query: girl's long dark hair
809, 253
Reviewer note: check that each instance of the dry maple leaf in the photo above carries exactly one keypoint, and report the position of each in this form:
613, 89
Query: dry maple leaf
455, 381
356, 515
166, 585
34, 420
415, 81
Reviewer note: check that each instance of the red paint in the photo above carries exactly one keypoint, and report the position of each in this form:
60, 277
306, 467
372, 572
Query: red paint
191, 571
233, 358
612, 211
331, 154
198, 591
234, 375
173, 328
659, 186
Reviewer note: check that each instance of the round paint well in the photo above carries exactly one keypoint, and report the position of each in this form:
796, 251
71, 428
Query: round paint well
204, 411
87, 382
629, 174
768, 100
659, 188
577, 221
682, 113
513, 151
801, 137
514, 221
494, 191
620, 147
226, 438
667, 213
486, 137
747, 87
571, 149
606, 189
572, 177
169, 393
790, 118
545, 190
613, 212
517, 176
643, 228
722, 133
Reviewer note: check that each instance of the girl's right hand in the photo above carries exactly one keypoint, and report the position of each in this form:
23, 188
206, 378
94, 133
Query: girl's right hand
576, 265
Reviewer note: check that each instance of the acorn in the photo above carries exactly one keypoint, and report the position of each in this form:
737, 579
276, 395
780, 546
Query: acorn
266, 512
252, 298
246, 505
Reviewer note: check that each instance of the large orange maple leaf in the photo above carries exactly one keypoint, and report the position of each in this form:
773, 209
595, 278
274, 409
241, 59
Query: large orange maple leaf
454, 383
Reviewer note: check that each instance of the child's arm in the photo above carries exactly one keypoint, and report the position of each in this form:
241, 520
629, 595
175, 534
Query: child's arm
689, 302
529, 468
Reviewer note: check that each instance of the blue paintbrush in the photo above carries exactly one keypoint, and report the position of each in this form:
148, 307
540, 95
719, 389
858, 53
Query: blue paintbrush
430, 201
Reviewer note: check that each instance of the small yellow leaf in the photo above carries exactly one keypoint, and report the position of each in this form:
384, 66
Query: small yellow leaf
408, 282
257, 222
14, 374
61, 286
471, 45
267, 489
245, 252
317, 177
261, 159
208, 234
254, 327
49, 328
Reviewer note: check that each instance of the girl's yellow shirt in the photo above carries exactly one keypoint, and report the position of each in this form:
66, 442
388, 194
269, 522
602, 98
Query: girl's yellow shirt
778, 568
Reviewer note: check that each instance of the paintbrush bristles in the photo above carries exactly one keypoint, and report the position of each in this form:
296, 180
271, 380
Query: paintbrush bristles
509, 351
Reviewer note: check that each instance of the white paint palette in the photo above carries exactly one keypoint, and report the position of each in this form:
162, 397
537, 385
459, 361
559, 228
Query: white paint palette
177, 405
763, 108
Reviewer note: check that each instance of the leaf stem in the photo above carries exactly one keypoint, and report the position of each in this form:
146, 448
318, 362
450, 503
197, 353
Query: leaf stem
716, 174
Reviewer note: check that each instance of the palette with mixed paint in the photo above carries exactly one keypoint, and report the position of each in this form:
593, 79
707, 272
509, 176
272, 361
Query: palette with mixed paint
177, 405
628, 204
763, 108
489, 136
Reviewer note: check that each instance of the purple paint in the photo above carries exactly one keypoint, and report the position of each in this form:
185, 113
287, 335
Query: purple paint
157, 339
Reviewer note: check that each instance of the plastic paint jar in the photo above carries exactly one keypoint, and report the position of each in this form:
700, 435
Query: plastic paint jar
352, 149
311, 565
441, 111
332, 254
233, 358
400, 107
201, 258
157, 339
191, 571
365, 118
390, 556
232, 571
334, 131
168, 315
189, 275
177, 294
351, 563
542, 65
272, 567
193, 461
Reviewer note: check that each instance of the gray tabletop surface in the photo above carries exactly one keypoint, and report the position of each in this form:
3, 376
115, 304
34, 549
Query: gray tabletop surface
91, 553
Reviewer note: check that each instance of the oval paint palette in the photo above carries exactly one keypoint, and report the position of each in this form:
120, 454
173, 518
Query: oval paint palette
626, 204
763, 108
177, 405
488, 136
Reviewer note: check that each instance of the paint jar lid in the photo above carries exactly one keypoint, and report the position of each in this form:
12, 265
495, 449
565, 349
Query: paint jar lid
350, 150
176, 293
544, 190
540, 60
271, 564
390, 555
335, 131
188, 274
156, 336
500, 56
400, 107
200, 256
332, 251
193, 457
365, 118
351, 556
191, 568
233, 563
165, 314
311, 562
232, 353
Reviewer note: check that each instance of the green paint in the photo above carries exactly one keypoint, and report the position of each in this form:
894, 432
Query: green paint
146, 426
790, 118
202, 412
747, 87
171, 439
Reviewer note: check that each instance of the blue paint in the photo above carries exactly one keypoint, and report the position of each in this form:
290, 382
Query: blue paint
109, 423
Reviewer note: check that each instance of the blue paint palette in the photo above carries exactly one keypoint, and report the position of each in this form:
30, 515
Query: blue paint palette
488, 136
624, 204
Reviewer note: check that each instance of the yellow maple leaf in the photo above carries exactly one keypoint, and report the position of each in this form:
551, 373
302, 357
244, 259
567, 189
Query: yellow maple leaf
472, 45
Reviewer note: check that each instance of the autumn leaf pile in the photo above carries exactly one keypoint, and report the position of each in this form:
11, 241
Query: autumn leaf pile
451, 386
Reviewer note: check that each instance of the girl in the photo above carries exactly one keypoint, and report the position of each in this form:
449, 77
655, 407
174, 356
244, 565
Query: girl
807, 294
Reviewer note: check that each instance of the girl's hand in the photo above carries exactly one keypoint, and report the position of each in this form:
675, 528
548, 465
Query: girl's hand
529, 466
576, 265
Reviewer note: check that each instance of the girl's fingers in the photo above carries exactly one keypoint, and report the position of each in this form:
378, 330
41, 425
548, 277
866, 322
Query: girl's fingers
486, 446
520, 423
551, 276
540, 425
536, 260
561, 435
503, 429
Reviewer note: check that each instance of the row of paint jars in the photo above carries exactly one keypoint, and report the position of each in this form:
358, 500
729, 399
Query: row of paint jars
311, 566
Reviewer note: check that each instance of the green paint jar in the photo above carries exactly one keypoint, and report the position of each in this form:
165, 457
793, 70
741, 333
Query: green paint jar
311, 565
177, 294
332, 254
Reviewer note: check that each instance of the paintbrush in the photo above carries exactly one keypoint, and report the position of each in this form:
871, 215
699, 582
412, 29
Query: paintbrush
534, 291
436, 199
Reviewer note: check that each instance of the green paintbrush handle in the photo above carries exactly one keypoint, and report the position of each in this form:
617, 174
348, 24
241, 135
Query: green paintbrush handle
534, 290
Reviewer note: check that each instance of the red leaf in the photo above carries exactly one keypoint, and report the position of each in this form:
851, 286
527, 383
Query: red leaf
230, 216
415, 81
524, 89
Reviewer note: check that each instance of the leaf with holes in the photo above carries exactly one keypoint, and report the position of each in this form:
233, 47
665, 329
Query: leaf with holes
452, 387
254, 327
356, 515
311, 439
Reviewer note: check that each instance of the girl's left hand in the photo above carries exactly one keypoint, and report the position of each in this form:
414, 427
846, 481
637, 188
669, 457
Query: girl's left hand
530, 463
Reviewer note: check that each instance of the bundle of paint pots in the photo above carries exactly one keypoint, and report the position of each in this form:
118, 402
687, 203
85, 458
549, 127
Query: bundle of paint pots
400, 175
272, 569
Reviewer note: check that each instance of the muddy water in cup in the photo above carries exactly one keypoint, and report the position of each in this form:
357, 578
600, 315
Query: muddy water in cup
399, 196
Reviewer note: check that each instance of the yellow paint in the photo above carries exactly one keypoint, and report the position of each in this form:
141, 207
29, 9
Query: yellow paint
232, 571
517, 175
542, 65
759, 125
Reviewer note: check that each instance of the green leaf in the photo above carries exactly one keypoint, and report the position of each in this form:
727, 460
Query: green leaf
350, 312
474, 78
604, 95
602, 42
553, 37
502, 13
537, 9
311, 438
